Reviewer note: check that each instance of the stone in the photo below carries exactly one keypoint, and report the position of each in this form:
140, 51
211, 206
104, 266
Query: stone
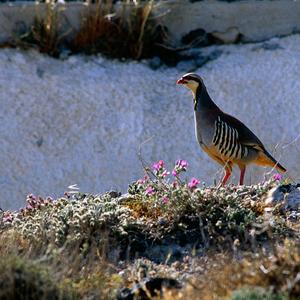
230, 36
196, 38
148, 288
288, 195
114, 194
255, 20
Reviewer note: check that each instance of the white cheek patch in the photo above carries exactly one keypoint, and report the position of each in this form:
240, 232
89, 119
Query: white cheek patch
193, 85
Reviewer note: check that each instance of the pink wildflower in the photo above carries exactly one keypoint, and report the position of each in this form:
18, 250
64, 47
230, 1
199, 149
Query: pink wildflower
165, 200
193, 183
182, 164
149, 191
143, 180
157, 166
277, 176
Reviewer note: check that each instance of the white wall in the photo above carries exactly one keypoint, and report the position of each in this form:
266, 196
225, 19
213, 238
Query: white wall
82, 120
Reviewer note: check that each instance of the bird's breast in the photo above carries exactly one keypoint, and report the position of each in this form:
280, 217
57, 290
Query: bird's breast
204, 129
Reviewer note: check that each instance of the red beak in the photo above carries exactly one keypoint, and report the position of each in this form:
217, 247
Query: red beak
181, 81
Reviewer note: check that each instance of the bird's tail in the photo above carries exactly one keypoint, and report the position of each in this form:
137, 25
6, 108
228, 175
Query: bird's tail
266, 159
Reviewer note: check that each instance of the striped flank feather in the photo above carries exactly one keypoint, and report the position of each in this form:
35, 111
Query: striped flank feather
226, 141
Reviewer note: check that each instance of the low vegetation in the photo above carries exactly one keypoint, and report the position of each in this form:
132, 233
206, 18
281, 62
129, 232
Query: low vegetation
272, 274
128, 30
217, 242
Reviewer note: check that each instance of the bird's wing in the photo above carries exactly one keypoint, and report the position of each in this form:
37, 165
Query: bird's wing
245, 135
234, 139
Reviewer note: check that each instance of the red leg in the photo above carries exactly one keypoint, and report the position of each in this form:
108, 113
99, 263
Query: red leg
242, 175
226, 177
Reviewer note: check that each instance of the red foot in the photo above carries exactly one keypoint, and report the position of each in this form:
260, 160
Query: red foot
242, 176
225, 178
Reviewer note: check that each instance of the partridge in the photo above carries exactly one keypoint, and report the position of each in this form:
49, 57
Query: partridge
223, 137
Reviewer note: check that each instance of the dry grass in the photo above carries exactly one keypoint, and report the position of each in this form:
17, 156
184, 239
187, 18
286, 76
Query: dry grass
124, 30
43, 271
46, 33
128, 32
274, 272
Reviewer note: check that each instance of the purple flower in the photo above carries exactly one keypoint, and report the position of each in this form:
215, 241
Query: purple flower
142, 181
277, 176
158, 165
181, 163
180, 166
193, 183
149, 191
165, 200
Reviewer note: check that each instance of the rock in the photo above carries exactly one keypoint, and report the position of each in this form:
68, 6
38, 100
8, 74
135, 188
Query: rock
114, 194
196, 38
294, 216
293, 200
162, 221
232, 35
288, 194
125, 294
125, 198
148, 287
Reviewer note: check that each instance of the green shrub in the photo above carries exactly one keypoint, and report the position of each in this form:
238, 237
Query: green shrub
256, 294
210, 215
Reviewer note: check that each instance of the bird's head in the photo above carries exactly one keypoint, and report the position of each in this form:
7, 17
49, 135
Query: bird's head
191, 81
